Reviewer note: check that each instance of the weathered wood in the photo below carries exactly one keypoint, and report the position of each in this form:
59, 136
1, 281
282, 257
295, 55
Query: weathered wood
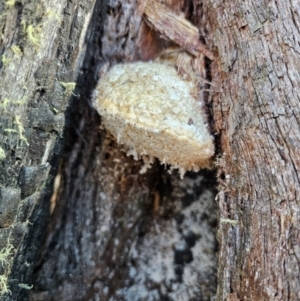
256, 112
42, 47
116, 234
103, 242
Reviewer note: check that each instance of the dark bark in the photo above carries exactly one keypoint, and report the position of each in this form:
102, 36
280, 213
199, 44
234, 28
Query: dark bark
42, 45
116, 234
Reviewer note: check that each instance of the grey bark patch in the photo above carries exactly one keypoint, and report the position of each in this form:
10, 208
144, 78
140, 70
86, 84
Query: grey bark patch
9, 202
26, 207
32, 178
43, 118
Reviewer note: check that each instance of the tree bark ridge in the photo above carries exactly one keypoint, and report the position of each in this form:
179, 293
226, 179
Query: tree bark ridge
257, 120
40, 49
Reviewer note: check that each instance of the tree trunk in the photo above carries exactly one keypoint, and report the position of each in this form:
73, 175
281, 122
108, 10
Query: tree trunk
42, 46
115, 234
256, 115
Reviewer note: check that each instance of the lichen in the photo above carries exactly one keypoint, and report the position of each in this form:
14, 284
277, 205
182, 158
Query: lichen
69, 87
52, 13
10, 3
34, 35
229, 221
21, 101
3, 285
16, 50
4, 103
20, 128
25, 286
5, 61
2, 154
10, 131
5, 253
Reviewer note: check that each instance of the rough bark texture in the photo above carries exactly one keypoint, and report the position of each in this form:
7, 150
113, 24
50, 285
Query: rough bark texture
257, 119
42, 45
116, 234
110, 226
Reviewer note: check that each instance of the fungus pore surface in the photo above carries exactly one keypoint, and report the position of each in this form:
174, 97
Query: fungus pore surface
150, 109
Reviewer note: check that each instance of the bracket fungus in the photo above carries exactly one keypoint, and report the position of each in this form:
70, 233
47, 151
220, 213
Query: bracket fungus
151, 110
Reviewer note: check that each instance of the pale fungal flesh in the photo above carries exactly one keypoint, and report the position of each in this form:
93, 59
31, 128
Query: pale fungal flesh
150, 109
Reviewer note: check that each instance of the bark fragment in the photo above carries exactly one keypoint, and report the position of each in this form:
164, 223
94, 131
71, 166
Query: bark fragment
175, 28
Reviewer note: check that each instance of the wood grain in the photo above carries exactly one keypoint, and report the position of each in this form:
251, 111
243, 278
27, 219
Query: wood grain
257, 121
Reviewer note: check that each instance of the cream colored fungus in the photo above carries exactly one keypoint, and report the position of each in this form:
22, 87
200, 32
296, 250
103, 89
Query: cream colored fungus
149, 108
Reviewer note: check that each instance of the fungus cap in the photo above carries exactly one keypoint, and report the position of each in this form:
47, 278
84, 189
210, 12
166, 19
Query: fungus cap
150, 109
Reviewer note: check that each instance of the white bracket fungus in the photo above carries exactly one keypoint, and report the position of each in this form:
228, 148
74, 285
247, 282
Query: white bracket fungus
150, 109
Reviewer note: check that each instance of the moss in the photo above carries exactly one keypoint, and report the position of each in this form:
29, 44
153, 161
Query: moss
16, 50
69, 87
21, 101
4, 103
20, 128
5, 61
51, 13
10, 131
25, 286
10, 3
5, 253
228, 221
2, 154
3, 285
34, 35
